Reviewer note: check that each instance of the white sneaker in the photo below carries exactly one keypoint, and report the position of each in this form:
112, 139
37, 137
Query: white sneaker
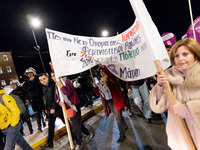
88, 137
78, 147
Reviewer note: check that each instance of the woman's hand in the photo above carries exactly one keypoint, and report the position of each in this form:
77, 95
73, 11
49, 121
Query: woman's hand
58, 83
94, 85
161, 79
180, 109
61, 104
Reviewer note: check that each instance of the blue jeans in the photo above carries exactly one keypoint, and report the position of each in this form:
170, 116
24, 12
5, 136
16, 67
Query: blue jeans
13, 136
141, 99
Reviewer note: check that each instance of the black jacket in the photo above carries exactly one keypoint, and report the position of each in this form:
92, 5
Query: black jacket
35, 93
21, 93
34, 88
49, 98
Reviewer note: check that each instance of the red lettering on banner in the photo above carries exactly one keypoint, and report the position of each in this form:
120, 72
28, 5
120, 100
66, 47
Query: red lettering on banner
131, 33
86, 56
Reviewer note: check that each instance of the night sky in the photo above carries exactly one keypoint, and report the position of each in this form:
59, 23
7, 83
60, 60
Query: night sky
80, 17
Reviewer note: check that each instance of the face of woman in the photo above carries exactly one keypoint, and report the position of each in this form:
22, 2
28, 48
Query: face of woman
53, 76
184, 57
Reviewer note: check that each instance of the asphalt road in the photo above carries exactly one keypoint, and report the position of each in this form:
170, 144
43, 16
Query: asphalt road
139, 136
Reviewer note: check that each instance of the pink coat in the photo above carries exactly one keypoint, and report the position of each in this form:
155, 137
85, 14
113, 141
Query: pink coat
186, 91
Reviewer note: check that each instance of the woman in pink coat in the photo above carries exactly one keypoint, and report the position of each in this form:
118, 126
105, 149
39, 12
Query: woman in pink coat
184, 78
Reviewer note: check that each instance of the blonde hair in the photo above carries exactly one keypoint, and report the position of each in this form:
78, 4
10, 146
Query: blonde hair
193, 46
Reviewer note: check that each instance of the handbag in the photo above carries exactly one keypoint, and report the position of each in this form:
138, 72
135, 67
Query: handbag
70, 112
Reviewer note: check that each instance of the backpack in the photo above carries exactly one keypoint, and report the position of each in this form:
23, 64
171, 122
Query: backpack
19, 103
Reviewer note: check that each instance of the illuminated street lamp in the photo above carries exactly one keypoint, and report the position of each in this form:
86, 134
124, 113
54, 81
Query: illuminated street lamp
104, 33
35, 23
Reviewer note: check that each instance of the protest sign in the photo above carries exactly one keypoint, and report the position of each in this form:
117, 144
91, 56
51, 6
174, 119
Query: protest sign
190, 33
168, 38
129, 55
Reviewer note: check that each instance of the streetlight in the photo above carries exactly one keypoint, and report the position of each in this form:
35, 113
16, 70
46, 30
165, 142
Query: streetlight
104, 33
35, 23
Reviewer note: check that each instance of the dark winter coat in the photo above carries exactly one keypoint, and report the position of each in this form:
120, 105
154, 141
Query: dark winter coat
35, 93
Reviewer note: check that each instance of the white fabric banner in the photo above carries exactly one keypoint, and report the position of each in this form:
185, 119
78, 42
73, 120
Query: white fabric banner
129, 55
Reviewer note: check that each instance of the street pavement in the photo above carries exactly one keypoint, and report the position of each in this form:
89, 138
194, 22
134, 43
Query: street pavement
139, 136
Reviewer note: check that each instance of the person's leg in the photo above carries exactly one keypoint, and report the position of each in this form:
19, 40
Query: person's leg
145, 96
27, 119
118, 114
22, 125
137, 98
30, 127
76, 127
51, 128
22, 143
83, 128
38, 117
14, 136
60, 115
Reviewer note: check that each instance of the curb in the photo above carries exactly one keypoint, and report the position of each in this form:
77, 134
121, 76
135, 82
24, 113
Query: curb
62, 131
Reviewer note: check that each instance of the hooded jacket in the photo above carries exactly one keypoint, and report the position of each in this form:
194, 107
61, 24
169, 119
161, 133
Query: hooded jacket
186, 90
9, 113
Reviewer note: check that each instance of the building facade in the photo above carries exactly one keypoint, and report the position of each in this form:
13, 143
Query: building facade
7, 69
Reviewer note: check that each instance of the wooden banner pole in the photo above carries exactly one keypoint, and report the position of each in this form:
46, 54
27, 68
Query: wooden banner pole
91, 74
181, 122
66, 119
68, 127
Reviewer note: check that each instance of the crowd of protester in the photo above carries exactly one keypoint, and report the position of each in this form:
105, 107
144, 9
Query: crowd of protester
43, 93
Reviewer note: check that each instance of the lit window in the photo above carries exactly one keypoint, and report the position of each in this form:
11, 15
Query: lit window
8, 69
1, 71
5, 57
3, 82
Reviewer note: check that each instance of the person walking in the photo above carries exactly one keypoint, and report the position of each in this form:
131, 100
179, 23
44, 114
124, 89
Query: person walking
10, 123
33, 86
112, 99
184, 79
23, 95
140, 94
67, 89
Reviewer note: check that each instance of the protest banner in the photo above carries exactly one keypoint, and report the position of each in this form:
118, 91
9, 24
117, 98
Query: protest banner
127, 55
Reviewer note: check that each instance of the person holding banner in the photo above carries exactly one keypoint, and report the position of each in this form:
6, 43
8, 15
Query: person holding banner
67, 89
184, 79
112, 99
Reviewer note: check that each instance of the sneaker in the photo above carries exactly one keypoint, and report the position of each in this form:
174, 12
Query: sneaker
88, 137
78, 147
121, 139
47, 145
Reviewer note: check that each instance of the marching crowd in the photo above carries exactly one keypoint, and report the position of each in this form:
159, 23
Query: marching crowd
43, 92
